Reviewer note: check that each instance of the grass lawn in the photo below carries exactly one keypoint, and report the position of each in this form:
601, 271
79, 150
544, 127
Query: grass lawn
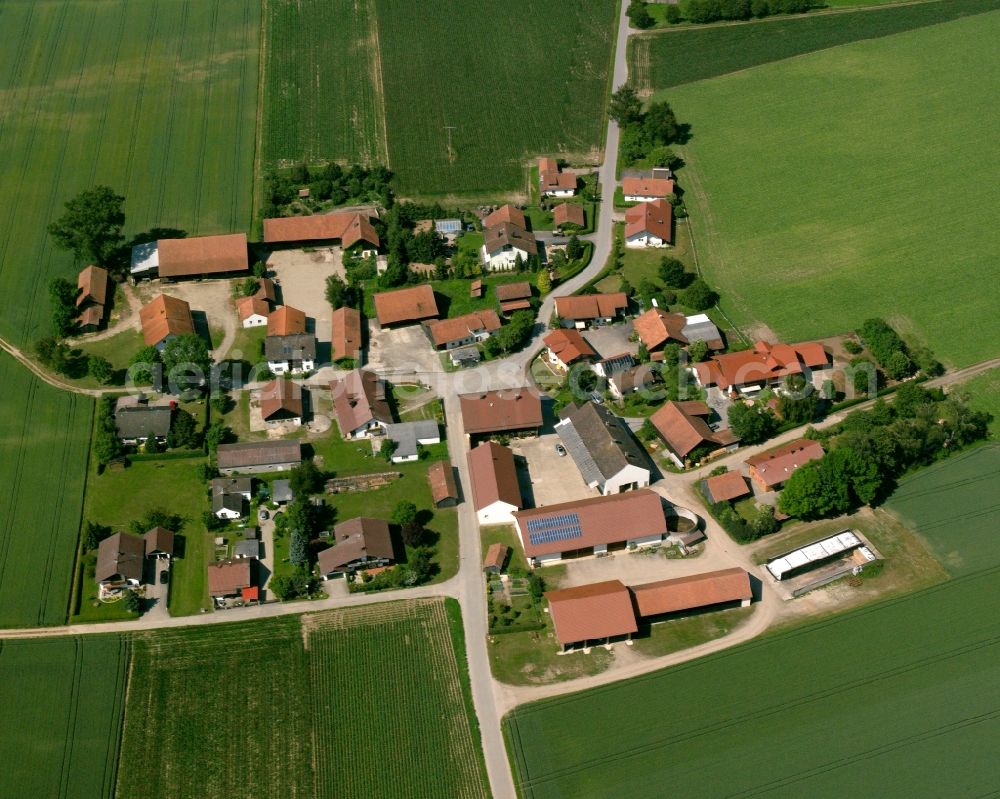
840, 158
505, 534
156, 99
983, 394
453, 295
117, 497
673, 635
118, 349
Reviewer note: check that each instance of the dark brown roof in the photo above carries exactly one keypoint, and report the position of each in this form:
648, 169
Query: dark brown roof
724, 487
165, 316
92, 283
496, 556
286, 321
498, 411
159, 539
356, 538
776, 465
568, 214
591, 612
513, 291
281, 399
442, 479
349, 227
694, 591
204, 255
493, 476
346, 333
258, 453
506, 213
499, 236
359, 398
476, 288
601, 520
683, 427
121, 554
265, 290
405, 305
445, 331
92, 316
229, 577
591, 306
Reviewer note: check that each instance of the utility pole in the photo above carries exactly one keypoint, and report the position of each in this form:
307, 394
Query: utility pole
451, 153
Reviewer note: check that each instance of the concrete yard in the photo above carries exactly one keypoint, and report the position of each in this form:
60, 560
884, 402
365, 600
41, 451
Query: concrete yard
403, 351
301, 278
553, 478
611, 340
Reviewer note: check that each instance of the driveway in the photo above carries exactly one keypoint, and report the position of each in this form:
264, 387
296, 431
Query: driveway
211, 304
405, 351
156, 594
553, 478
301, 278
266, 560
612, 340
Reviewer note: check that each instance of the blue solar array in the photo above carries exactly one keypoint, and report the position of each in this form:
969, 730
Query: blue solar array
554, 528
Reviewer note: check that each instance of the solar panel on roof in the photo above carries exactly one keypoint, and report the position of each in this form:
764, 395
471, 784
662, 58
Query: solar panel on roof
554, 528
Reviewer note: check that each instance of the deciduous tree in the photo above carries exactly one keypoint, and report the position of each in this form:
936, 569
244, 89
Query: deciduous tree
91, 226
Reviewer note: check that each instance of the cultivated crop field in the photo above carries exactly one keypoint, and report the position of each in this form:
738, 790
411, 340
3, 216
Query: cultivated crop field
856, 189
61, 701
44, 439
354, 703
156, 99
897, 700
512, 81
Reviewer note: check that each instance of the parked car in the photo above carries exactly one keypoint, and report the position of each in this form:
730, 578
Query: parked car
164, 576
264, 515
560, 450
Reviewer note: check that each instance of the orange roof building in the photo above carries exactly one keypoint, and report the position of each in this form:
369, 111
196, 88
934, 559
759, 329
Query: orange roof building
496, 557
496, 494
764, 364
405, 306
771, 469
509, 411
692, 592
649, 224
165, 318
555, 183
657, 327
252, 311
444, 492
584, 308
202, 255
684, 428
286, 321
727, 487
637, 190
92, 284
350, 228
566, 346
595, 612
506, 214
346, 334
227, 578
566, 214
359, 400
514, 296
461, 330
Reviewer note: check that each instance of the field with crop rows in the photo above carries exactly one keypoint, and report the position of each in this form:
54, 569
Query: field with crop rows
44, 440
511, 81
61, 702
661, 59
900, 699
156, 99
818, 220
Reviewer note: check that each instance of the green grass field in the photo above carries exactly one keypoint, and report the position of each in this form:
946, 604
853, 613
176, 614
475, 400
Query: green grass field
662, 59
512, 81
856, 190
157, 99
44, 440
983, 393
354, 703
897, 700
61, 701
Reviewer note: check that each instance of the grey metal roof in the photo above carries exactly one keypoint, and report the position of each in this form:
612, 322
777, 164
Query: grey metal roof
224, 501
143, 421
600, 443
406, 435
470, 354
301, 346
247, 549
701, 331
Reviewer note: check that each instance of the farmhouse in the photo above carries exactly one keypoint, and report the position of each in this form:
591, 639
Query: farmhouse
295, 353
409, 436
203, 256
641, 190
631, 380
159, 543
496, 558
517, 410
506, 214
694, 592
569, 215
229, 578
259, 456
683, 426
649, 224
137, 420
360, 403
470, 328
92, 298
764, 365
163, 319
726, 487
771, 469
405, 306
584, 309
286, 321
591, 526
281, 402
120, 560
514, 296
657, 328
351, 229
496, 493
603, 449
252, 311
505, 244
591, 613
346, 334
552, 182
361, 543
565, 346
444, 492
229, 496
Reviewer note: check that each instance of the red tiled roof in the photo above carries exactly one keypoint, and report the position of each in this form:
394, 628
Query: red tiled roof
92, 316
496, 555
656, 327
493, 476
694, 591
405, 305
350, 227
499, 411
265, 290
92, 283
568, 214
591, 612
647, 187
359, 398
654, 217
550, 178
568, 345
250, 306
442, 480
203, 255
513, 291
228, 577
724, 487
762, 363
476, 288
775, 466
602, 520
445, 331
281, 398
591, 306
506, 213
346, 335
165, 316
286, 321
681, 425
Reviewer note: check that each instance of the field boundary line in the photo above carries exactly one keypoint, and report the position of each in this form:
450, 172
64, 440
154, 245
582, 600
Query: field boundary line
377, 83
